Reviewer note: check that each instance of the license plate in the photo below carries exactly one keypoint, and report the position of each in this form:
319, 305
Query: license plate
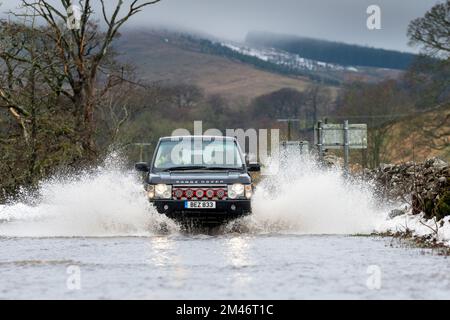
200, 205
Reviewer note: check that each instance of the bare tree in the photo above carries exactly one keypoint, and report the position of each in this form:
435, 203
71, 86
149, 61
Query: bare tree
432, 128
432, 32
377, 105
82, 52
319, 100
185, 95
12, 44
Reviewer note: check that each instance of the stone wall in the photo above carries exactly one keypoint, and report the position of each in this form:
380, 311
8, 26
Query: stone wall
426, 185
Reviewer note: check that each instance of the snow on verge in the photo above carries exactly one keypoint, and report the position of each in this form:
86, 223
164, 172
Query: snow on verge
418, 226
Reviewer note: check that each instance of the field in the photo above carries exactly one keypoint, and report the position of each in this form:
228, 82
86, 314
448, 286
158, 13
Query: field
418, 137
162, 58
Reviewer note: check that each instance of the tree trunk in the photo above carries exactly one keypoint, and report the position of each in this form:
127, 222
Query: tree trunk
89, 122
34, 127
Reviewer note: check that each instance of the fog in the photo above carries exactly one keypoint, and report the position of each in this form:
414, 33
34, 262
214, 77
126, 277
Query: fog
343, 20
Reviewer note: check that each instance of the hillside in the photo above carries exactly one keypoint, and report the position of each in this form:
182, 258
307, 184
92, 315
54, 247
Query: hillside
231, 69
170, 58
242, 73
419, 137
281, 61
332, 52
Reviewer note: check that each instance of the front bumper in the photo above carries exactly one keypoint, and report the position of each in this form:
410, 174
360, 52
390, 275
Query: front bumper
225, 209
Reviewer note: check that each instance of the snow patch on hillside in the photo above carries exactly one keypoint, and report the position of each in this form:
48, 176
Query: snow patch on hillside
286, 59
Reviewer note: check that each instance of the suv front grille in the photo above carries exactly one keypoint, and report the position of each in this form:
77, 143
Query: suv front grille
199, 193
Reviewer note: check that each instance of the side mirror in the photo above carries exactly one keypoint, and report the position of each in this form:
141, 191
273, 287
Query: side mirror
142, 167
253, 167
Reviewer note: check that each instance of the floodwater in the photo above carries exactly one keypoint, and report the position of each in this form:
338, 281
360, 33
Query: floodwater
95, 236
229, 266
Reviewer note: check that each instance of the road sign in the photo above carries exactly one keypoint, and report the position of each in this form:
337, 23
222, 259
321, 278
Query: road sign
333, 136
302, 147
337, 136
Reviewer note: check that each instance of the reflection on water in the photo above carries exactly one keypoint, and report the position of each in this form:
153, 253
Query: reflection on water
163, 249
237, 252
164, 255
229, 266
237, 249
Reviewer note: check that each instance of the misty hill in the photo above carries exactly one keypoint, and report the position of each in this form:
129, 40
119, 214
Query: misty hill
332, 52
169, 57
219, 67
276, 60
273, 60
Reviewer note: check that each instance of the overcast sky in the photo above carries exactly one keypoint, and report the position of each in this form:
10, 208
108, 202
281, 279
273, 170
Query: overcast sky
339, 20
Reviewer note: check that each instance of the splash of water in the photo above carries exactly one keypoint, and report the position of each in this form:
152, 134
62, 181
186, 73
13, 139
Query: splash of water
109, 201
305, 198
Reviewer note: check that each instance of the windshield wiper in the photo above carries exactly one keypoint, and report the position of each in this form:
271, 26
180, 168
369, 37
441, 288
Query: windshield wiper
224, 168
185, 168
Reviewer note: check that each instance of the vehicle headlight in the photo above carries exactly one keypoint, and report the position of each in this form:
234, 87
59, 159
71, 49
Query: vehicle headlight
163, 191
236, 190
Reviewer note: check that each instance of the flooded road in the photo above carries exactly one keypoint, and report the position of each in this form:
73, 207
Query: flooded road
95, 235
230, 266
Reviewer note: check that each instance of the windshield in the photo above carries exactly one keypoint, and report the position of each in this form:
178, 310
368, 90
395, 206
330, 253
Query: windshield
198, 153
